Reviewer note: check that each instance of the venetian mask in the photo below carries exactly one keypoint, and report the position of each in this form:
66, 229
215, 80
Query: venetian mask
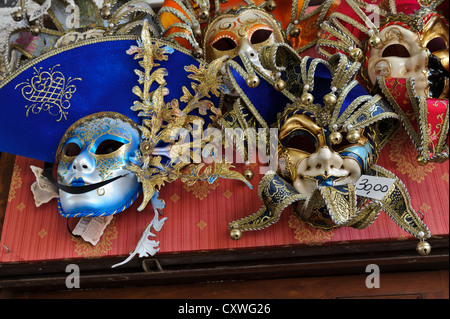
246, 32
401, 52
94, 150
311, 156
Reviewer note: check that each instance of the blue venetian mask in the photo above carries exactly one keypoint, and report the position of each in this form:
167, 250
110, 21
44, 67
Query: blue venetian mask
95, 151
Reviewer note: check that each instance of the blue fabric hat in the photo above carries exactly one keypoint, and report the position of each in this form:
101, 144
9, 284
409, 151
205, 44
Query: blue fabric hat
43, 98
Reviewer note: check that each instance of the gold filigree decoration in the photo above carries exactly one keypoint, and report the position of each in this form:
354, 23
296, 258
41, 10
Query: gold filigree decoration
161, 120
49, 91
16, 182
405, 158
201, 189
308, 234
85, 249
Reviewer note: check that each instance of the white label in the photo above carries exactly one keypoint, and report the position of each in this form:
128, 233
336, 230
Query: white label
41, 10
373, 187
92, 228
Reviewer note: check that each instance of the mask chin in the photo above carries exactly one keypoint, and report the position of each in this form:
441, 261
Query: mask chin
107, 200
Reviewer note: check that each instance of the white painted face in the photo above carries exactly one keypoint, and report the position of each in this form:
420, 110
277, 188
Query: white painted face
404, 53
246, 32
94, 150
325, 168
400, 56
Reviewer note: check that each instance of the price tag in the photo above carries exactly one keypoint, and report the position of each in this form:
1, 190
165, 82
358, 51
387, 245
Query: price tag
373, 187
41, 10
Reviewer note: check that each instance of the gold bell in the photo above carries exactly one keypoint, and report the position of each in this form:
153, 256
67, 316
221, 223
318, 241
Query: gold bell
197, 53
330, 99
374, 41
271, 5
35, 29
197, 32
204, 14
145, 147
105, 12
295, 32
421, 160
280, 85
235, 234
335, 138
306, 98
353, 136
252, 81
248, 173
356, 54
17, 15
423, 248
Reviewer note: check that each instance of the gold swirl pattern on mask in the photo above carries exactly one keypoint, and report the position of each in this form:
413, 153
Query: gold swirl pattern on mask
85, 249
201, 189
308, 234
404, 155
16, 182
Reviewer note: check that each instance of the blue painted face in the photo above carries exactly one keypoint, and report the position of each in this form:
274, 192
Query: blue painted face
98, 148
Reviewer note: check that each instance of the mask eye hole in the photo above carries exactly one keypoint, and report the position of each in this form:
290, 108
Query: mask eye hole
301, 140
437, 44
108, 147
397, 50
71, 149
224, 44
260, 36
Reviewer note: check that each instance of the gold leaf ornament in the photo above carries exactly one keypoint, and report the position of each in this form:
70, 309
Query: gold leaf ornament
162, 120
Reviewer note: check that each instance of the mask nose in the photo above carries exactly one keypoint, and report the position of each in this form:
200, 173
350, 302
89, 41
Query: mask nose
323, 162
249, 51
84, 163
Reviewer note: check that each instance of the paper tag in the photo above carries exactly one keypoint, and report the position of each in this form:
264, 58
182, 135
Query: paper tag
43, 190
92, 228
41, 10
373, 187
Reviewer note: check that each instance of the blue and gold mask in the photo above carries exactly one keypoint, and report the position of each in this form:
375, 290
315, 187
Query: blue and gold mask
95, 149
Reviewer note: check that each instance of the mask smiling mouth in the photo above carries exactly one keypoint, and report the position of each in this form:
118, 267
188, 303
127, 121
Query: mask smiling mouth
81, 187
